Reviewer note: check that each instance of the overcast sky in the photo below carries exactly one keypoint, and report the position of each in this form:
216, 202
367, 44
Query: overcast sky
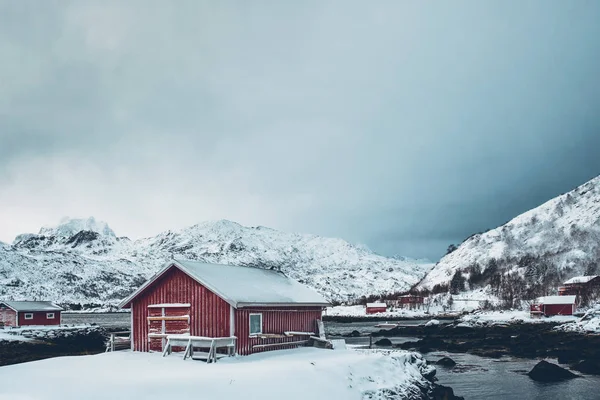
405, 126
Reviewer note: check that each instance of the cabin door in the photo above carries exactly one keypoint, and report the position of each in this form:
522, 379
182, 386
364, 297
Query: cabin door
165, 320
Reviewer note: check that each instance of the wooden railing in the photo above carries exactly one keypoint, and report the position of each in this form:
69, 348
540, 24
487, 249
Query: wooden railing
119, 341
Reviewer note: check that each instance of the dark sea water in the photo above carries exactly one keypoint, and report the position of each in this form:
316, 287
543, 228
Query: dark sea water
473, 377
481, 378
477, 378
107, 320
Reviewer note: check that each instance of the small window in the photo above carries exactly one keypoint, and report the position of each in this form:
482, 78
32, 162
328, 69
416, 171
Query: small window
255, 324
50, 315
28, 315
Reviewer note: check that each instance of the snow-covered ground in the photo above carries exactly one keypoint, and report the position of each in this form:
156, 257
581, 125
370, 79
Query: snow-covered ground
25, 333
360, 311
441, 304
507, 317
589, 323
298, 374
12, 337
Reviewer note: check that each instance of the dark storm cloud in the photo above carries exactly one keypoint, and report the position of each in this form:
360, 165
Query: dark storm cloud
404, 126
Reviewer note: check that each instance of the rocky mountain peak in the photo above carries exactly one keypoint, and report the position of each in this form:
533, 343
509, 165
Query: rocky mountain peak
71, 226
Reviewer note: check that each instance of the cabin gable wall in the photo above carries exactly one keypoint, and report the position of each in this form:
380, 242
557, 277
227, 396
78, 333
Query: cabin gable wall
209, 314
8, 317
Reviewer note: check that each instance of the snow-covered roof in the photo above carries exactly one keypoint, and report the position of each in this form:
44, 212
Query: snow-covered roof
242, 286
31, 305
549, 300
376, 305
580, 279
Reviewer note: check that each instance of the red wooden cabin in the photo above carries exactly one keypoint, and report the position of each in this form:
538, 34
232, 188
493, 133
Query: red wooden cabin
553, 305
263, 309
374, 308
26, 313
580, 285
411, 301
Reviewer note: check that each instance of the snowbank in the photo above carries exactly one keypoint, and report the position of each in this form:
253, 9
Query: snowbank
12, 336
298, 374
506, 317
589, 323
360, 311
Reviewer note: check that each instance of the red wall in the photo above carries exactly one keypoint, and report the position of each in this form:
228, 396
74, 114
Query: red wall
209, 313
558, 309
275, 320
39, 318
8, 316
374, 310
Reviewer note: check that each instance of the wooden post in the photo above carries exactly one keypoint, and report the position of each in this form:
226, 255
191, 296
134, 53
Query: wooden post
370, 341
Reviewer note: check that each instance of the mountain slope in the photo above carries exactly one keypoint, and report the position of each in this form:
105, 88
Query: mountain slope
544, 246
83, 261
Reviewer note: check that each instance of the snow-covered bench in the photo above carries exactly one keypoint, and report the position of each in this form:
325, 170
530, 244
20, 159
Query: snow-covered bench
190, 342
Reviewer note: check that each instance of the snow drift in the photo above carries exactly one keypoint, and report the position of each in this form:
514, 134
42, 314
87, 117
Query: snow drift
298, 374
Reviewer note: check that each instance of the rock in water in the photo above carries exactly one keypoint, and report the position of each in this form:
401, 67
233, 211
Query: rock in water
547, 372
446, 362
441, 392
383, 342
588, 367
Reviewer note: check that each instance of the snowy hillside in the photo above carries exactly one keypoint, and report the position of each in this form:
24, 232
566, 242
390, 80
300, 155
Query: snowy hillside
547, 245
84, 262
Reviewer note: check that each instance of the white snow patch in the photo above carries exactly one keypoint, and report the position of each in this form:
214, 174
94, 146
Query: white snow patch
589, 323
509, 316
298, 374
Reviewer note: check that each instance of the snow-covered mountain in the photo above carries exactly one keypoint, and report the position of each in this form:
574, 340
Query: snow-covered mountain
84, 262
549, 244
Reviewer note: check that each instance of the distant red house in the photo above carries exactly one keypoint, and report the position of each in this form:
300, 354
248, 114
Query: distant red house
553, 305
26, 313
374, 308
581, 286
263, 309
411, 301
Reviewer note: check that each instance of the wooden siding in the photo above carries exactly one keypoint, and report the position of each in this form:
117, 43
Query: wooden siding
558, 309
276, 320
39, 318
8, 317
375, 310
209, 314
167, 321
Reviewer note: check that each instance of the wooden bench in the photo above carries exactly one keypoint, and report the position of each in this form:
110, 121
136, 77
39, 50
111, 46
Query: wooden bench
189, 342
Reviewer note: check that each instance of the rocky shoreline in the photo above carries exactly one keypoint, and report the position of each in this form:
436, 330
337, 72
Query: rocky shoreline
580, 351
48, 343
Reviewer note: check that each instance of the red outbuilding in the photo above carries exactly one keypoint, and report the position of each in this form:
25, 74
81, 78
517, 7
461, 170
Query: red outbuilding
263, 309
26, 313
553, 305
374, 308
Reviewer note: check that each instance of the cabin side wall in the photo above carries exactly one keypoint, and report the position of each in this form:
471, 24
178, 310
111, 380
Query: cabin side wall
558, 309
276, 320
8, 317
375, 310
209, 314
39, 318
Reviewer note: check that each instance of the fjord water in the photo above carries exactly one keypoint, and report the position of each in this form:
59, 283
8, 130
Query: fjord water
483, 378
